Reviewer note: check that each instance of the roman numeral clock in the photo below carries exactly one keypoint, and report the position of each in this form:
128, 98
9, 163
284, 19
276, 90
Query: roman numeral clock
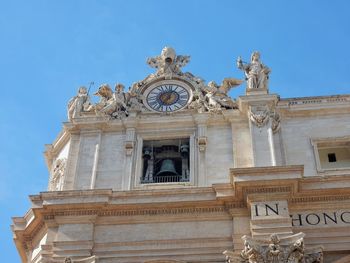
167, 96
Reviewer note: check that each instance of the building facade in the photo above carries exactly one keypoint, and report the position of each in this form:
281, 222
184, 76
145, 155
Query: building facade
174, 170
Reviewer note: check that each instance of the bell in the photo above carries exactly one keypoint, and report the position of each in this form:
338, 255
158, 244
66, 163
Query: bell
167, 168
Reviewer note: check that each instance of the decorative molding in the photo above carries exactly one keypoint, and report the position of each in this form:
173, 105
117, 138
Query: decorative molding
136, 212
309, 101
320, 198
265, 190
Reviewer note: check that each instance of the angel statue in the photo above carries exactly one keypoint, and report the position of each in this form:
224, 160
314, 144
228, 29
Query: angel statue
257, 74
79, 103
217, 95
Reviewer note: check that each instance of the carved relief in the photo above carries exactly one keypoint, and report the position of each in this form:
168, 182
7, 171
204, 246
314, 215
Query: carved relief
261, 115
57, 174
290, 249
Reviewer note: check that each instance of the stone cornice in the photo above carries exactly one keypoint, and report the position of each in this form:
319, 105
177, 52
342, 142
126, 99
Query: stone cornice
314, 106
332, 99
147, 120
219, 202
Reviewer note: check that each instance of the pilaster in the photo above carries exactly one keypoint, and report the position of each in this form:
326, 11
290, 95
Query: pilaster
201, 145
264, 126
130, 143
72, 162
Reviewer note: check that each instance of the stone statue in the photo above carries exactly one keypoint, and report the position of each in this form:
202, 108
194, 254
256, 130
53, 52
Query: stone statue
119, 100
104, 106
199, 102
217, 95
134, 102
257, 74
79, 103
111, 104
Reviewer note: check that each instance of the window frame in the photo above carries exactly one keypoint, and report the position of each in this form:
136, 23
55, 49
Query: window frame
329, 142
138, 171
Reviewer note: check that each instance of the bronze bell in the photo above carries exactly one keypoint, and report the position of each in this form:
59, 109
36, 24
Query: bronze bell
167, 168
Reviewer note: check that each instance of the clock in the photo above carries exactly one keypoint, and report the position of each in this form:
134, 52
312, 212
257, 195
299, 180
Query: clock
167, 96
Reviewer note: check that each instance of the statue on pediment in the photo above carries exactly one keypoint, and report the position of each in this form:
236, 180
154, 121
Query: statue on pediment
257, 74
134, 102
79, 103
199, 102
111, 103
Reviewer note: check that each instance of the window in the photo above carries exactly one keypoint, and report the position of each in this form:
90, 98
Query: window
332, 158
165, 161
332, 153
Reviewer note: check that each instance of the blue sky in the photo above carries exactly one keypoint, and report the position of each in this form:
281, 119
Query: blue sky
49, 48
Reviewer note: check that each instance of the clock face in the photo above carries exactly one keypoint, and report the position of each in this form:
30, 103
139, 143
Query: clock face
167, 97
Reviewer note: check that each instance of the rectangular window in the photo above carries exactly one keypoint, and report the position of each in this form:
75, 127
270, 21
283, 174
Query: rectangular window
332, 158
332, 153
166, 161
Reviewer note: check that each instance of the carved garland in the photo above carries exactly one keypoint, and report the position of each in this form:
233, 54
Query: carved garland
260, 116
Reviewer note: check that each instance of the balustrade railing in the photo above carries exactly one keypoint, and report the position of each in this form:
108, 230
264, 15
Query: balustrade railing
164, 179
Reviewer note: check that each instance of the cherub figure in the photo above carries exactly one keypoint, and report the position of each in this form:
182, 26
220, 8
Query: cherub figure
257, 74
79, 103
